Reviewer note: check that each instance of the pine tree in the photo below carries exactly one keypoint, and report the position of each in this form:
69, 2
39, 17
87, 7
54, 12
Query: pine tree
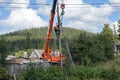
3, 52
107, 38
118, 27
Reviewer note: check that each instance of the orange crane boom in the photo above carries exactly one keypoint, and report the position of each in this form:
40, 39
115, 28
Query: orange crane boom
47, 50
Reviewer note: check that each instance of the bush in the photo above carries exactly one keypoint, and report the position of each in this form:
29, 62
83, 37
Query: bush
80, 72
52, 73
97, 73
4, 75
110, 74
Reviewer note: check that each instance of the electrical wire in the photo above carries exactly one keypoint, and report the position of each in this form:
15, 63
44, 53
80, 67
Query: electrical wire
89, 7
85, 5
65, 7
23, 3
59, 4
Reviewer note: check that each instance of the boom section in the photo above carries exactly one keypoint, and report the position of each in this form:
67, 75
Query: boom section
47, 50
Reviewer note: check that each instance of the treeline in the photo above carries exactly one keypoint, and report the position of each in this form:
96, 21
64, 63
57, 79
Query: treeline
33, 38
86, 48
92, 49
25, 44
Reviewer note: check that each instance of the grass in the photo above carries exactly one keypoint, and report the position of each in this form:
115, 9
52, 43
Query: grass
112, 63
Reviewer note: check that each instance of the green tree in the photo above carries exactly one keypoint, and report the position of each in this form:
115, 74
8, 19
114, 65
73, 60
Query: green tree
3, 74
107, 32
107, 39
119, 27
27, 41
87, 49
29, 74
51, 73
90, 49
3, 51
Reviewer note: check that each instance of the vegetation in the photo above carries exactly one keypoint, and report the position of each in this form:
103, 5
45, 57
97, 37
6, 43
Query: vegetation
87, 49
33, 38
3, 52
106, 71
78, 73
4, 75
52, 73
108, 40
118, 27
93, 49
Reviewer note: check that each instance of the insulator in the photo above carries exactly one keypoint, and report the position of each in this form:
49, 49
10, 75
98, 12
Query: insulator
62, 6
63, 12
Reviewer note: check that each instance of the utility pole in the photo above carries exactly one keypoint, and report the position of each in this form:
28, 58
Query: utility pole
115, 39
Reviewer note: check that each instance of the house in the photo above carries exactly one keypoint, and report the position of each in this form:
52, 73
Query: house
9, 57
36, 54
16, 65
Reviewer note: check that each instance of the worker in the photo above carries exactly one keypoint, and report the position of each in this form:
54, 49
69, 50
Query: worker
57, 30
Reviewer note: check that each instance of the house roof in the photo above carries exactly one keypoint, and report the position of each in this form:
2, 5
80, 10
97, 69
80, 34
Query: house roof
34, 57
36, 54
18, 61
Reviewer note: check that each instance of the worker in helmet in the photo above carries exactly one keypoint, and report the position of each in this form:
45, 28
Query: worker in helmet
57, 30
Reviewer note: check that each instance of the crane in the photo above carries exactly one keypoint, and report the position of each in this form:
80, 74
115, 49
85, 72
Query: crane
47, 54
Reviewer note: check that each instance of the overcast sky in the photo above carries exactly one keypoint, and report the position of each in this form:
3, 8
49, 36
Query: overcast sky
91, 16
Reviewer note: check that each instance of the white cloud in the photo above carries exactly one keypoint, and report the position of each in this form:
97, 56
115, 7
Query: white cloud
44, 10
23, 18
87, 17
83, 25
114, 1
2, 1
15, 4
23, 3
114, 26
115, 4
41, 1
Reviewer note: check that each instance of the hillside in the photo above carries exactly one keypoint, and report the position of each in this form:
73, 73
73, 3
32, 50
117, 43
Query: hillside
39, 33
92, 54
35, 38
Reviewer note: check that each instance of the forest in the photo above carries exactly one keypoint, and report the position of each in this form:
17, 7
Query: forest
92, 54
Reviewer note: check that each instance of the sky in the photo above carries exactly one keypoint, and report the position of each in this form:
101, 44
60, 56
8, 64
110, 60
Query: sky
90, 15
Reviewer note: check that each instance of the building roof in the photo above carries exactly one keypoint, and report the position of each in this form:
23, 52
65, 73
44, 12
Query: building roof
18, 61
36, 54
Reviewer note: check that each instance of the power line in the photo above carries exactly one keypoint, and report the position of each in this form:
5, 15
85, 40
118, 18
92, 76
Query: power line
66, 7
72, 5
23, 3
65, 4
90, 7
